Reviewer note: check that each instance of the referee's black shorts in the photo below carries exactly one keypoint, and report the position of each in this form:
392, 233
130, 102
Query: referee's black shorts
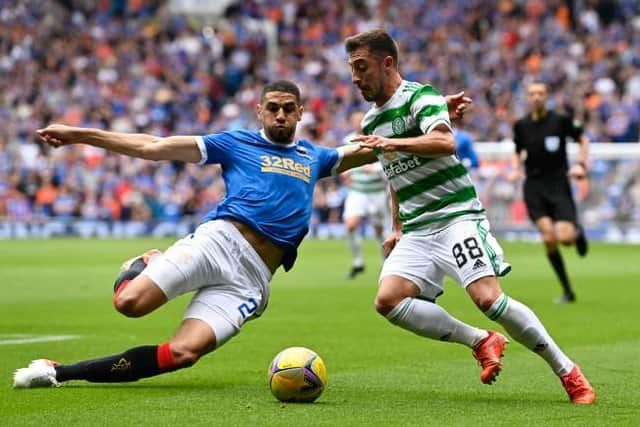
549, 197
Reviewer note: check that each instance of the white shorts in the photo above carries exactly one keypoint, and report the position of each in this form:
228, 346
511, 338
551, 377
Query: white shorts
374, 206
231, 280
465, 251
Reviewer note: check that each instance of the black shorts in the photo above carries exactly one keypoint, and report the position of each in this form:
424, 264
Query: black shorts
551, 198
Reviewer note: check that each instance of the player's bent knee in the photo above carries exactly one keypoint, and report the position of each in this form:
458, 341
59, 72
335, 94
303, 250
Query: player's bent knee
485, 302
566, 238
484, 292
384, 303
128, 305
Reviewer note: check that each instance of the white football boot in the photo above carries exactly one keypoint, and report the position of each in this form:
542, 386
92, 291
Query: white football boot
39, 373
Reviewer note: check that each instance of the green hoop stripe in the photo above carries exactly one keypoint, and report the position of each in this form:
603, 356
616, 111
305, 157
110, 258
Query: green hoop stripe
401, 313
462, 195
431, 181
417, 225
501, 308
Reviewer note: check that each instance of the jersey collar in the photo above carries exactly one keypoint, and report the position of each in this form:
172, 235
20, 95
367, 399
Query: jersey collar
263, 134
390, 100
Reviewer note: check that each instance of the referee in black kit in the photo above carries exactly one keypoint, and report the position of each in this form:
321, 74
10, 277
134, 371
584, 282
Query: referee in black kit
541, 142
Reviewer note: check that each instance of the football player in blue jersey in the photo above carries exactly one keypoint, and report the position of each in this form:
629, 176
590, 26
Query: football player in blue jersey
230, 258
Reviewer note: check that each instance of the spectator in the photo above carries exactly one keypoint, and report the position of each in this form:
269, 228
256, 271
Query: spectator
126, 66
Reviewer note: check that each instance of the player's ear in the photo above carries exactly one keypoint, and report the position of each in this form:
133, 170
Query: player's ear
388, 61
300, 111
259, 111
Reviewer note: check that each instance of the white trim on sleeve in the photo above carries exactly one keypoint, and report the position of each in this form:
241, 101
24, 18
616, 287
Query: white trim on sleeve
203, 150
438, 122
334, 169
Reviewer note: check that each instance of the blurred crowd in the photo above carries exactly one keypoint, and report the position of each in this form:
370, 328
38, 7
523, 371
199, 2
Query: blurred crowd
130, 66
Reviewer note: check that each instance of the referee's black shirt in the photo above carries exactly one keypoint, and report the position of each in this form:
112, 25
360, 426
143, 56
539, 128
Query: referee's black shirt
545, 142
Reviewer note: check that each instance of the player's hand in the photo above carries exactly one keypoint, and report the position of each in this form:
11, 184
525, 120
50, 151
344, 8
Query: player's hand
375, 141
390, 242
57, 135
578, 171
457, 105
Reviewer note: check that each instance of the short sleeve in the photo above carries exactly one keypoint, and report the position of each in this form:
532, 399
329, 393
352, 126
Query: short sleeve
573, 128
517, 139
214, 148
429, 109
328, 160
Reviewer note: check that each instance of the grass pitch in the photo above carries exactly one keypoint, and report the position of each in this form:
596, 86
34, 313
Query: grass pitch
378, 373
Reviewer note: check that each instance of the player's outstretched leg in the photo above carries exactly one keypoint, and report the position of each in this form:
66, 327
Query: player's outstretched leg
525, 327
132, 365
194, 339
352, 223
357, 262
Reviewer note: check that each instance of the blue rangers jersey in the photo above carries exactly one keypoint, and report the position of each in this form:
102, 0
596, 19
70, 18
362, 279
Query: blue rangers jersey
269, 186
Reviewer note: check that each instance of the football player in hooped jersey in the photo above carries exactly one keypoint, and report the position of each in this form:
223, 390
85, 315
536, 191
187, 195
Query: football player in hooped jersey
366, 199
439, 224
229, 260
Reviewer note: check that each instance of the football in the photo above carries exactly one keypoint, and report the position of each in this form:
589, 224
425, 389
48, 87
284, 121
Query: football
297, 374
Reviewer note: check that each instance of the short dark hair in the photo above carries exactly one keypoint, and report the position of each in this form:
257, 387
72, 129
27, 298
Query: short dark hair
281, 86
376, 41
539, 82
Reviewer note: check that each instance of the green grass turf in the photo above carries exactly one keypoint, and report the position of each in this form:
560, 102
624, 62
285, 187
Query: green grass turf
378, 373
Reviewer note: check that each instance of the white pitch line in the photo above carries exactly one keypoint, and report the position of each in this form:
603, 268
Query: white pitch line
8, 339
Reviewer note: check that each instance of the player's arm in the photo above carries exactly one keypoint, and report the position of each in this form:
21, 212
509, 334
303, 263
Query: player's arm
516, 157
581, 168
575, 130
438, 142
472, 154
180, 148
583, 153
396, 225
516, 166
353, 156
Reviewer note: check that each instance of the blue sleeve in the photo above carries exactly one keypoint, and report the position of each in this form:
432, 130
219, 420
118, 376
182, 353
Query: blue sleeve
214, 148
328, 161
473, 156
464, 146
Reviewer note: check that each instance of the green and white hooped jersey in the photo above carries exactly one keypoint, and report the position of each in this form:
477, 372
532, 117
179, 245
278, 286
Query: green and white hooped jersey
364, 181
432, 191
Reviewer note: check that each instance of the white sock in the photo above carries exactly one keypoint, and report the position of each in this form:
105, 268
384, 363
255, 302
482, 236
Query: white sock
355, 243
525, 327
432, 321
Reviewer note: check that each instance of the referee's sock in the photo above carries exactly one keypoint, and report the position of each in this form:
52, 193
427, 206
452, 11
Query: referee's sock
558, 265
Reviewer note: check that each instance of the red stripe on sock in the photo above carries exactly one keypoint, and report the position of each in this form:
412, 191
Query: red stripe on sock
165, 358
